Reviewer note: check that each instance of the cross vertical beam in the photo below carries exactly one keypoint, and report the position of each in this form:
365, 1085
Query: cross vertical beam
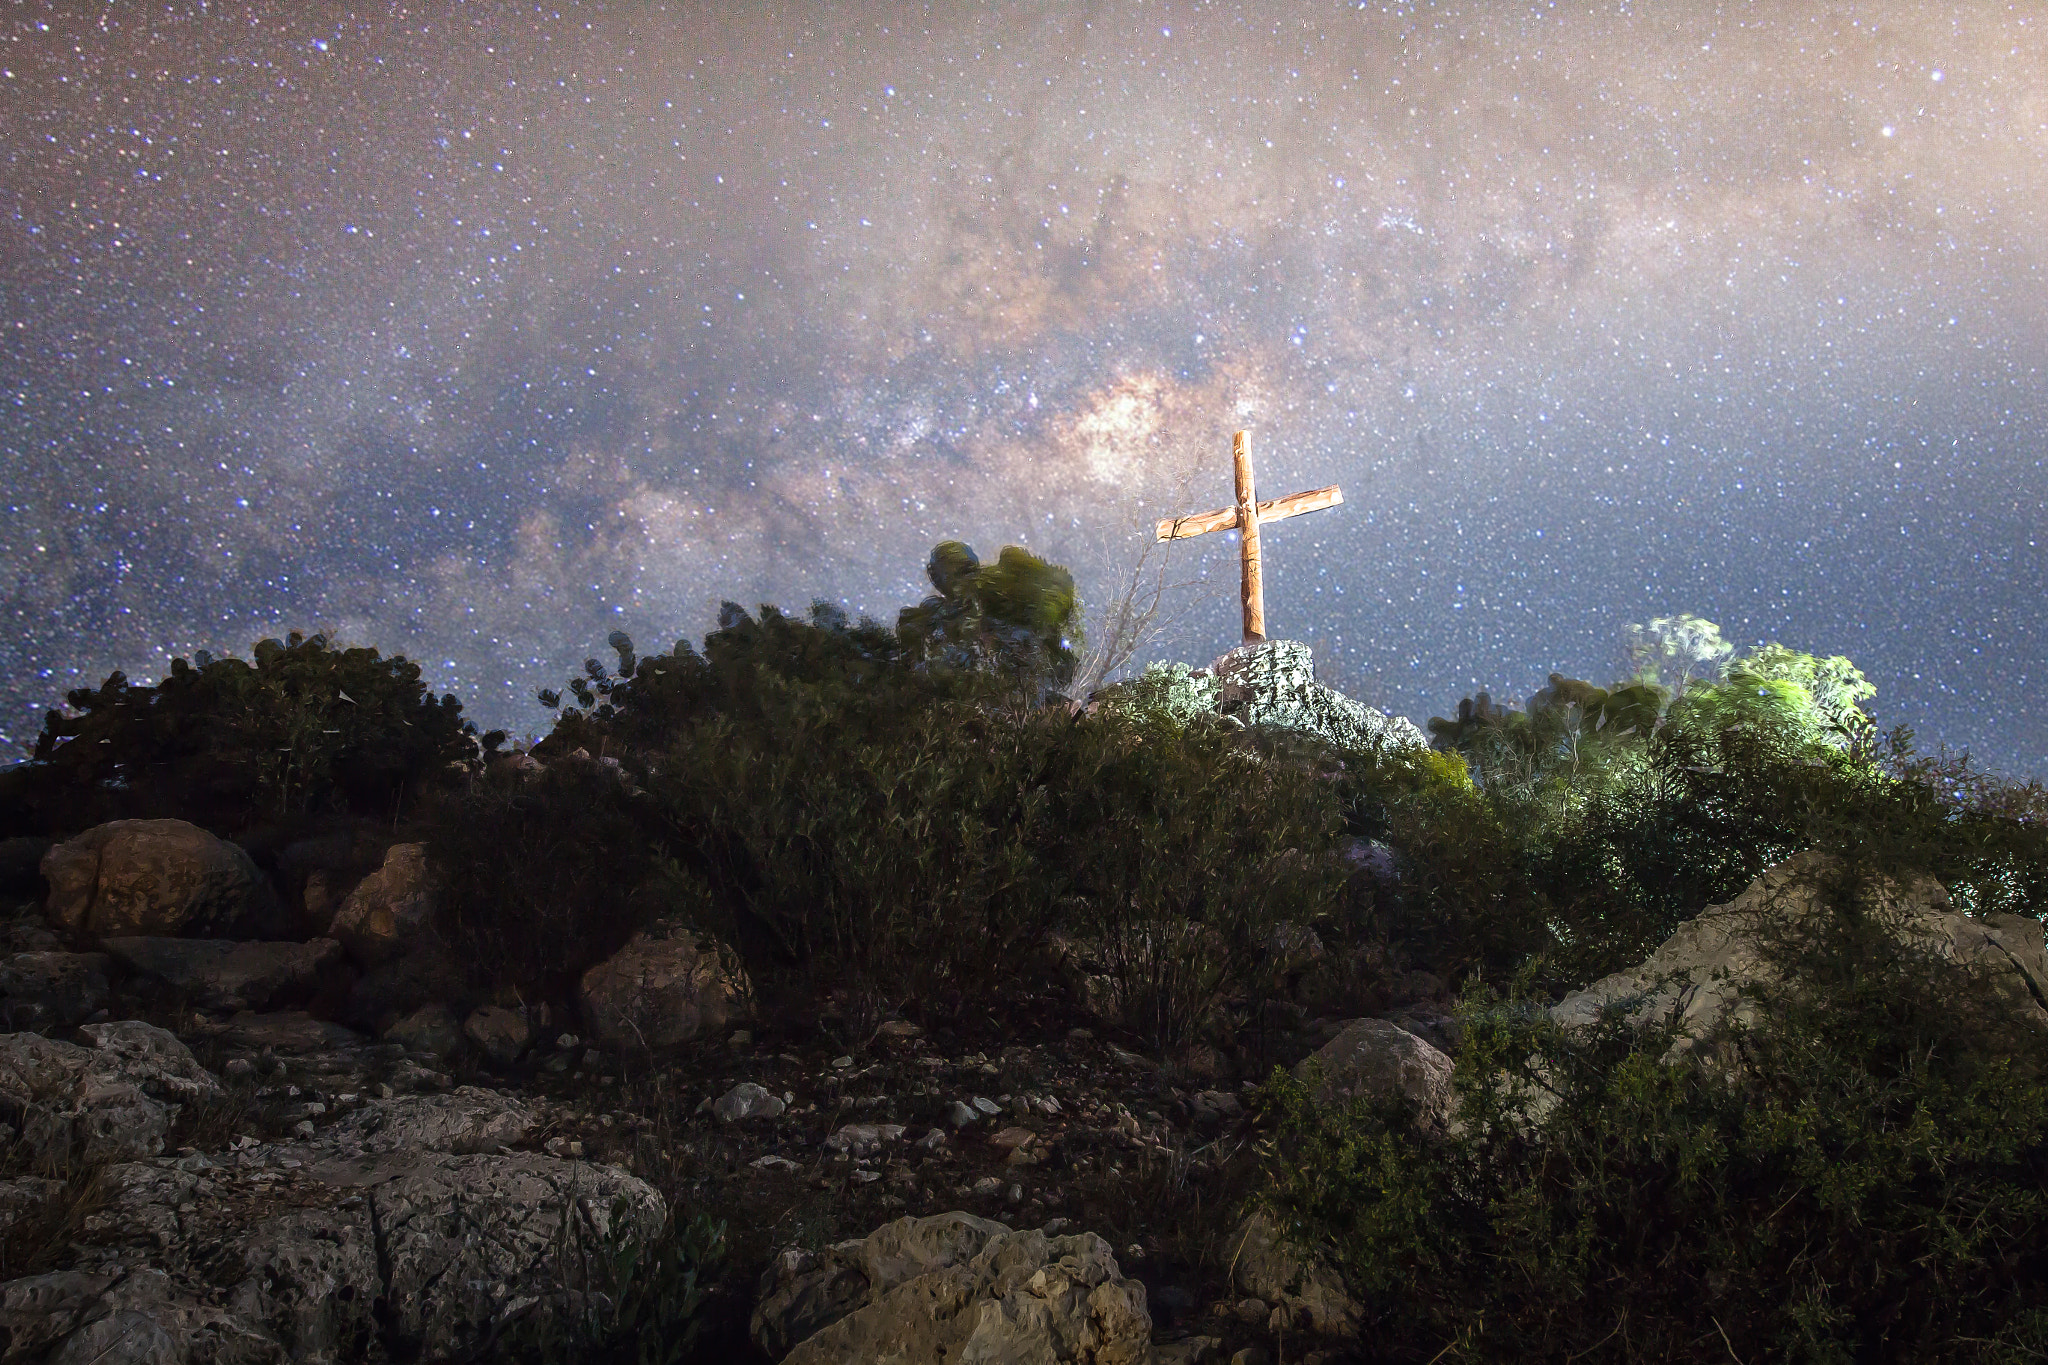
1254, 585
1246, 517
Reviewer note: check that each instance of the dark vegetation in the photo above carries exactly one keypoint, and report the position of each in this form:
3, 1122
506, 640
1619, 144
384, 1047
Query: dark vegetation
913, 822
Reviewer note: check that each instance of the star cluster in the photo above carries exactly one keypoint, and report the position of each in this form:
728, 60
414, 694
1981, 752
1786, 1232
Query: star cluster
477, 331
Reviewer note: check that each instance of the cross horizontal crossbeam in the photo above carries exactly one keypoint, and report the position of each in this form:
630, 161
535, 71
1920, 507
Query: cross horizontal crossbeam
1273, 509
1246, 517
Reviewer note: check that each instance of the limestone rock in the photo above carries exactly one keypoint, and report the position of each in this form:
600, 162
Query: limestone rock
217, 974
462, 1234
25, 1197
1266, 1266
747, 1100
389, 910
1272, 682
1702, 968
310, 1278
431, 1029
501, 1033
465, 1120
658, 991
109, 1102
46, 990
954, 1288
165, 877
1375, 1060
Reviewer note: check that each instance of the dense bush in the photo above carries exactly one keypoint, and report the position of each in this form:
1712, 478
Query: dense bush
926, 851
543, 878
1875, 1188
303, 730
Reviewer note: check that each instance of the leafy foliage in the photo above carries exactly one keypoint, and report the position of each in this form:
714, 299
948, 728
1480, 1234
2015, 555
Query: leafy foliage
640, 1300
1874, 1188
1019, 616
302, 730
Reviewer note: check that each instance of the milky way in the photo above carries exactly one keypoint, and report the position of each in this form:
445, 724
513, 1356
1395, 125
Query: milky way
475, 332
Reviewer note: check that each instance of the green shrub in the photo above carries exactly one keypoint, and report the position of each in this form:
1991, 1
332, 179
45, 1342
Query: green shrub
1875, 1188
303, 730
543, 878
633, 1302
921, 848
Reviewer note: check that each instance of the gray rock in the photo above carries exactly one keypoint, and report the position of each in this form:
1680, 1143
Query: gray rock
467, 1119
48, 990
311, 1279
501, 1033
747, 1101
25, 1198
152, 1057
166, 877
1264, 1265
863, 1140
113, 1101
1372, 1059
39, 1310
466, 1236
287, 1031
659, 991
431, 1029
954, 1288
215, 974
389, 911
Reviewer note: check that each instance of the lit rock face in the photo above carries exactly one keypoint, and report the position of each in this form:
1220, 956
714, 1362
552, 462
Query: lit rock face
661, 989
1273, 682
952, 1287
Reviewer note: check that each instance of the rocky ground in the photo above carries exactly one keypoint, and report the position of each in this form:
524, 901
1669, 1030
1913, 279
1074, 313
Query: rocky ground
228, 1184
249, 1117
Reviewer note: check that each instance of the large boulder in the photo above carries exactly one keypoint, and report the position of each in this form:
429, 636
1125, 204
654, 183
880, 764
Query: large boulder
1703, 969
217, 974
1372, 1059
320, 871
664, 987
953, 1287
389, 911
163, 877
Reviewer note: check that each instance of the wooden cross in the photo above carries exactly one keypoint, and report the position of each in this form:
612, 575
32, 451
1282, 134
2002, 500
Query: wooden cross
1247, 516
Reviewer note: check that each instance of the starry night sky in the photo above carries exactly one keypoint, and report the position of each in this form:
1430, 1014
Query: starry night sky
477, 331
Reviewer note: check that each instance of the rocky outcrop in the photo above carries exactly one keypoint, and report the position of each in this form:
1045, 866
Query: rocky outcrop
1273, 682
1702, 970
1372, 1059
158, 877
663, 988
112, 1101
405, 1228
953, 1287
216, 974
